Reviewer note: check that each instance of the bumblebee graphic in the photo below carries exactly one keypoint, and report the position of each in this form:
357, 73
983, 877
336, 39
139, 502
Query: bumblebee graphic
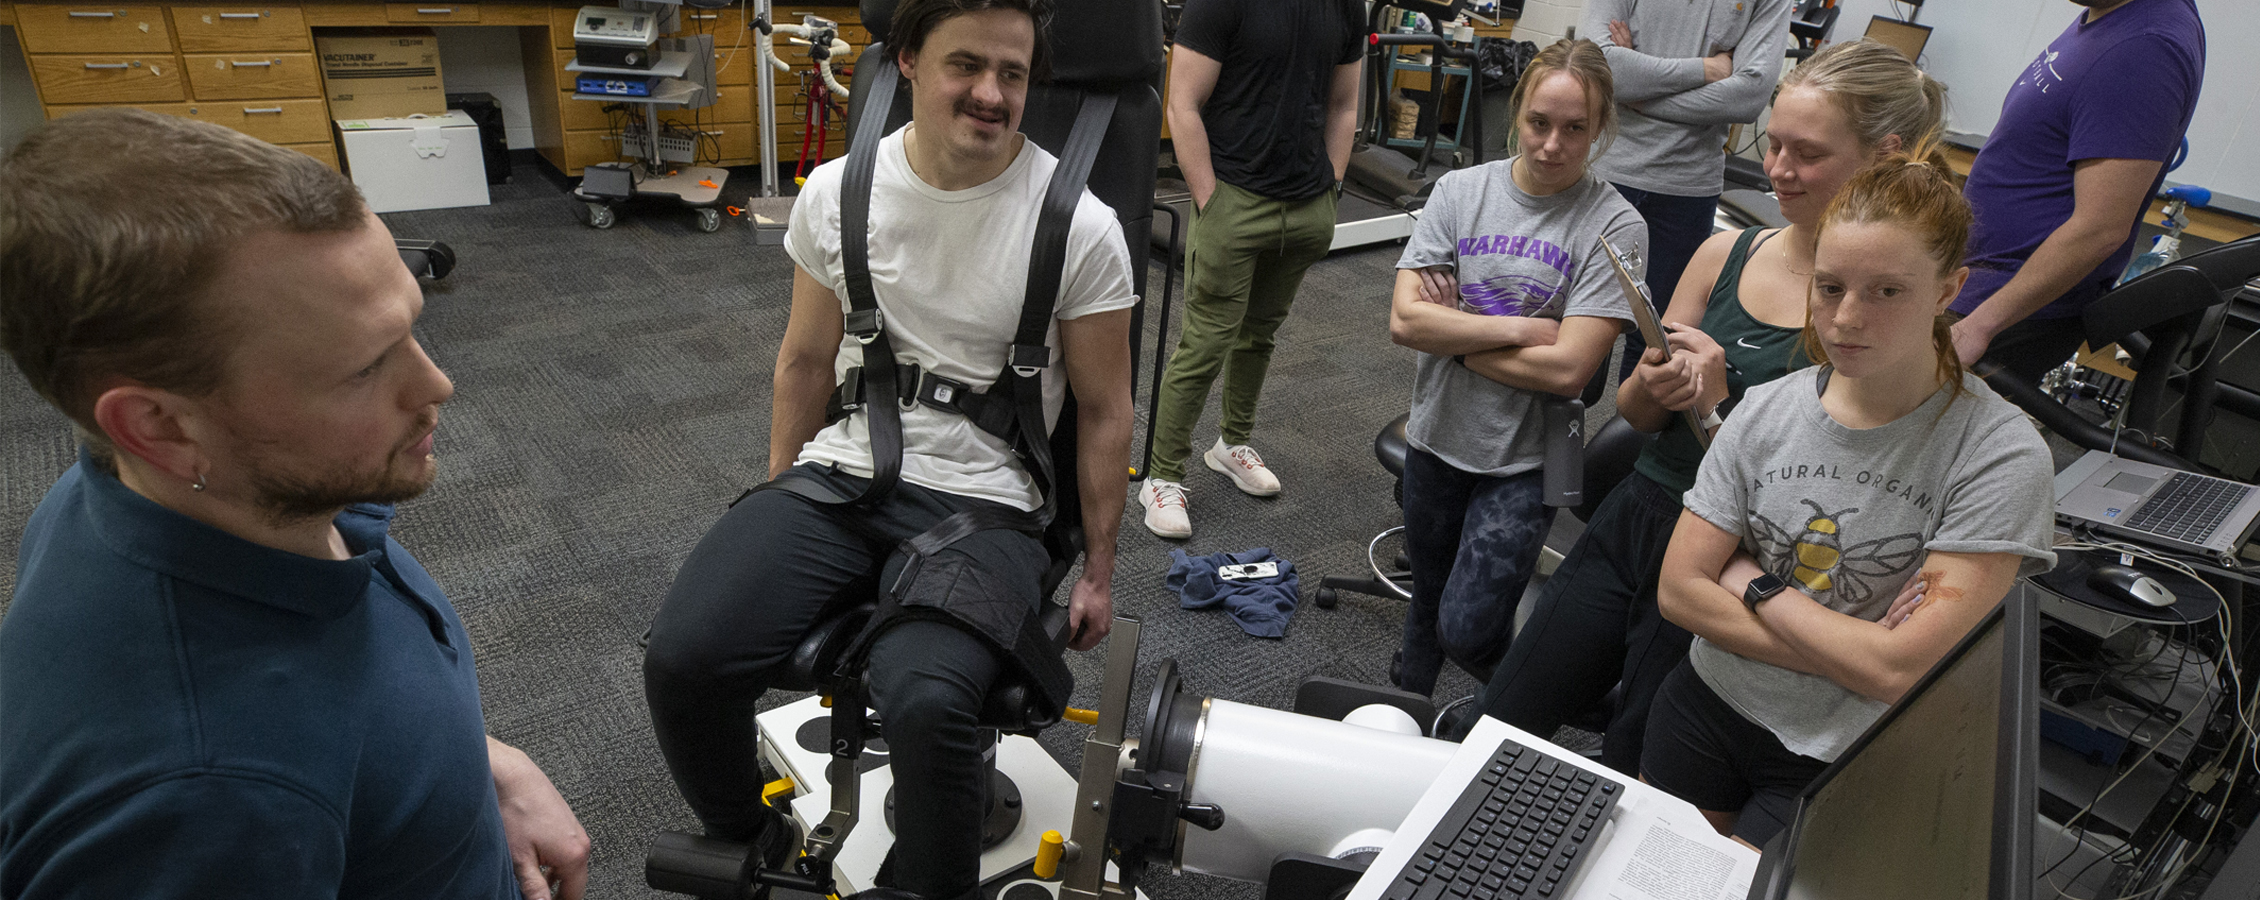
1823, 562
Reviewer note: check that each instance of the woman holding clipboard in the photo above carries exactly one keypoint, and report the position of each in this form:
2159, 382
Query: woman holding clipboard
1735, 322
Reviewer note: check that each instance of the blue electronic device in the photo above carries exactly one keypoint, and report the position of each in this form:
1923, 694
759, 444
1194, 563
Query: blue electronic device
619, 87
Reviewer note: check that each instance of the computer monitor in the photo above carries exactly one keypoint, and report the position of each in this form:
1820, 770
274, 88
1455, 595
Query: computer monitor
1906, 37
1936, 800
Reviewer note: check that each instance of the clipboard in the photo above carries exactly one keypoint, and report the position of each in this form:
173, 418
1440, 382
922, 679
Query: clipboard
1651, 328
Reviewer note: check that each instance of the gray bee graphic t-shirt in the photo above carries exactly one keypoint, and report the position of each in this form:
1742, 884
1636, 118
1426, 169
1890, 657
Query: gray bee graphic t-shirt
1846, 515
1515, 255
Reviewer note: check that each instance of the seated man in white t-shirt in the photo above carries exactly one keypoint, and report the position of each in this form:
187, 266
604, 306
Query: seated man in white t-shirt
954, 202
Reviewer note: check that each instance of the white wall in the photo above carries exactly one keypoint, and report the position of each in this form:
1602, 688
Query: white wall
1546, 21
486, 58
19, 103
1980, 47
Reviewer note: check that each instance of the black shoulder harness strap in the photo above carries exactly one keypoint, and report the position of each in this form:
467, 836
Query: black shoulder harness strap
882, 390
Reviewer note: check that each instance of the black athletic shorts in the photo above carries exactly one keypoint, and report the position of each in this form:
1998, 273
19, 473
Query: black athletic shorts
1702, 750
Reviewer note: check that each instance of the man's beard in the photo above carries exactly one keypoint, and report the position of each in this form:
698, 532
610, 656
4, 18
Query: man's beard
289, 496
292, 497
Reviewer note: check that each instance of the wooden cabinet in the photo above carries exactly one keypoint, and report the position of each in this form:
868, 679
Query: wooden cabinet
227, 29
94, 28
273, 121
107, 79
252, 76
252, 67
579, 132
432, 13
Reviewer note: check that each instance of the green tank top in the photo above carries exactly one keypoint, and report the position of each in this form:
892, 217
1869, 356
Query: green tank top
1755, 354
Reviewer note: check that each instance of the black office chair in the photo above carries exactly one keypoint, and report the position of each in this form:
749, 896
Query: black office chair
1098, 47
2170, 320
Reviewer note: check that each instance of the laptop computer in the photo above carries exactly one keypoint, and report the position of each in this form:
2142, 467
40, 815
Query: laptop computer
2155, 505
1906, 37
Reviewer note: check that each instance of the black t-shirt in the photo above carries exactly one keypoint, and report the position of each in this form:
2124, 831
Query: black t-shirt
1266, 119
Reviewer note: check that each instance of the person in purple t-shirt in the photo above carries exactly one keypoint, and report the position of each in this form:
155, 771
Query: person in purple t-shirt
2081, 146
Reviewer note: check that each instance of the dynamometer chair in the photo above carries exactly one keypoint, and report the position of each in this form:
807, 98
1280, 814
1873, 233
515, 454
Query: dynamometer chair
1105, 65
2170, 319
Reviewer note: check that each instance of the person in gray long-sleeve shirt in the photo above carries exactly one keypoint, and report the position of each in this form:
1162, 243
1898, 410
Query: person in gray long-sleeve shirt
1684, 71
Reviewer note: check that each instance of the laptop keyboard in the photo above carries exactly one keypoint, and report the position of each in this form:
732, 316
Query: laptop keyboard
1518, 830
2188, 508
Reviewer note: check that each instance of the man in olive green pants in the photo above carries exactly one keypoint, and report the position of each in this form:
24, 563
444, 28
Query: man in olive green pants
1262, 105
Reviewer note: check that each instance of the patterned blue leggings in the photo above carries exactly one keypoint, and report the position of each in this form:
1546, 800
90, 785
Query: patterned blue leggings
1473, 541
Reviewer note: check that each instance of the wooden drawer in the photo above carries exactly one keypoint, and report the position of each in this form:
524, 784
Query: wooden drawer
252, 76
229, 29
730, 105
274, 121
740, 69
790, 14
337, 13
324, 151
107, 79
585, 147
584, 115
735, 140
723, 24
170, 109
431, 13
93, 28
521, 13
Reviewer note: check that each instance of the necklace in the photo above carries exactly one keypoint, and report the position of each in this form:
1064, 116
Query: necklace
1789, 268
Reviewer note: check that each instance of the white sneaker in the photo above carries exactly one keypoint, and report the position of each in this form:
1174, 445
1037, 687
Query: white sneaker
1246, 469
1165, 508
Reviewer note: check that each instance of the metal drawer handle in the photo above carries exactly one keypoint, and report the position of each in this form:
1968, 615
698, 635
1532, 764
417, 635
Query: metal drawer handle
111, 65
249, 110
715, 133
241, 15
438, 11
255, 64
75, 14
706, 15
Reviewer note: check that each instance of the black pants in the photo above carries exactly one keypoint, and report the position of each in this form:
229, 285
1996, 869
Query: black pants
761, 578
1702, 750
1473, 541
1595, 626
2030, 348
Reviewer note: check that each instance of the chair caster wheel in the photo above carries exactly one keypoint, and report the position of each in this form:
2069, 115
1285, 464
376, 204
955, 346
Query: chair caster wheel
709, 219
600, 216
1327, 598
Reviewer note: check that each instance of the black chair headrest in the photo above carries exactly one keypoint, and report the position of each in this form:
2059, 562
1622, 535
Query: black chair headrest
1094, 43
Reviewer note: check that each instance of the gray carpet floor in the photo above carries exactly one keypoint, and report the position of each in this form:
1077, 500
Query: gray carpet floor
613, 394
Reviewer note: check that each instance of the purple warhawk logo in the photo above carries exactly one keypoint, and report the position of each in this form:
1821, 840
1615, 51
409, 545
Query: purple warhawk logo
1508, 295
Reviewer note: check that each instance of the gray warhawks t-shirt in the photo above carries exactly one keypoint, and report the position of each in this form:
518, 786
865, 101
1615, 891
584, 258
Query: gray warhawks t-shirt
1515, 255
1846, 516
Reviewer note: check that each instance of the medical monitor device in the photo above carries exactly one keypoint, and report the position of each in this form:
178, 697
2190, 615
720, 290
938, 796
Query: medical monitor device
1906, 37
1937, 800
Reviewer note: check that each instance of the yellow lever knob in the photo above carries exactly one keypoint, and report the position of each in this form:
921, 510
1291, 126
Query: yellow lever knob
1048, 853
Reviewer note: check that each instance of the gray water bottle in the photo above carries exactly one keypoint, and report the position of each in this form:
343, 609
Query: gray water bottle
1565, 451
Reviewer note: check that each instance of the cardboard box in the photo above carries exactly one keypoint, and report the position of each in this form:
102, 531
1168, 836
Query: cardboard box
425, 162
370, 73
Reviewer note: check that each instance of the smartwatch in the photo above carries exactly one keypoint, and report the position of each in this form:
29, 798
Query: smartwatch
1761, 587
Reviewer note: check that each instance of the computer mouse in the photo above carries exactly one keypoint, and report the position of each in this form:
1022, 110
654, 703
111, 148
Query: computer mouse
2129, 584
